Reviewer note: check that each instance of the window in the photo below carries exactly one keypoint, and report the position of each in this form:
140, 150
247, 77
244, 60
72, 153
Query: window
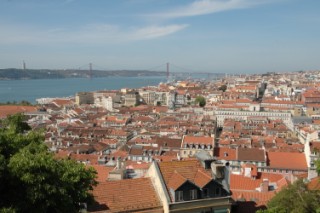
179, 195
205, 192
218, 191
193, 194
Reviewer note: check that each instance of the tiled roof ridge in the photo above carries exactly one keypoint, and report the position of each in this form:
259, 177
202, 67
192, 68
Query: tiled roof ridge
176, 180
204, 178
202, 172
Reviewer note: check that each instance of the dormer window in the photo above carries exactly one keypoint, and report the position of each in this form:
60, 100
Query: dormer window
218, 191
193, 194
179, 196
205, 192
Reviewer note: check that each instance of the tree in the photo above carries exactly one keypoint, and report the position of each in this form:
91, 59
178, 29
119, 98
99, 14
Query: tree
21, 103
294, 198
201, 101
223, 88
32, 180
318, 165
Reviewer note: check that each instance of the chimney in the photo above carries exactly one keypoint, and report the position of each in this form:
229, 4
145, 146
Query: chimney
264, 186
118, 163
178, 157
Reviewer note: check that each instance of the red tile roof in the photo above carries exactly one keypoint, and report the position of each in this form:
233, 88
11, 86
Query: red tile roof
240, 182
198, 140
102, 172
126, 195
260, 199
287, 160
10, 110
190, 170
244, 190
250, 154
61, 102
201, 178
224, 153
314, 184
176, 181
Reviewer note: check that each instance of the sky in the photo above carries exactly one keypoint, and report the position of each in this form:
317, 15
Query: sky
220, 36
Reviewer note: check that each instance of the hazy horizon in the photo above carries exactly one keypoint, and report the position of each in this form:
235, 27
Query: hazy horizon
230, 36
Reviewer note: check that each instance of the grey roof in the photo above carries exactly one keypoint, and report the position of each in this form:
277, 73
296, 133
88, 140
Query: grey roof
301, 119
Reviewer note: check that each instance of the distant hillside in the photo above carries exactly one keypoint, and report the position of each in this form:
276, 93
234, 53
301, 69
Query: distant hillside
16, 74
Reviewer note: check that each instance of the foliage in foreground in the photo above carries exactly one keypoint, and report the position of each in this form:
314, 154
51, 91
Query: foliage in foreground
296, 198
31, 180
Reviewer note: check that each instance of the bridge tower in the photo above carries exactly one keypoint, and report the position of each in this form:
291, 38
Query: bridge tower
24, 65
90, 70
168, 72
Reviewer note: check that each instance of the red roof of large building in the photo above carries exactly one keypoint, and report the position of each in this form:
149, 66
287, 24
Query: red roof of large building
287, 160
198, 140
10, 110
176, 173
130, 195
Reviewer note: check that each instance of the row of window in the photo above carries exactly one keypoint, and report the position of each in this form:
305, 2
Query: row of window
255, 114
193, 194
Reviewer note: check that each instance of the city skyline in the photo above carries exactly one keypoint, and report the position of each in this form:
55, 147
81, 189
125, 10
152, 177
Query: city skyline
231, 36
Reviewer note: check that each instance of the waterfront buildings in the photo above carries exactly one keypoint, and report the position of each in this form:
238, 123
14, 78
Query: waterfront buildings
255, 135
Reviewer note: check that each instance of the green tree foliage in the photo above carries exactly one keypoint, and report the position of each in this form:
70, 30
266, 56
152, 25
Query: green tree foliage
223, 88
21, 103
201, 101
295, 198
318, 166
31, 180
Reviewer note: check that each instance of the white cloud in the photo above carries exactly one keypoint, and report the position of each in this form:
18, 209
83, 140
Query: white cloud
157, 31
203, 7
98, 33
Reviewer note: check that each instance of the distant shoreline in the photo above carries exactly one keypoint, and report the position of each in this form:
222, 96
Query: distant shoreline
33, 74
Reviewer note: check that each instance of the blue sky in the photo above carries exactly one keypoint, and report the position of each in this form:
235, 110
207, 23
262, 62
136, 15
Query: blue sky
232, 36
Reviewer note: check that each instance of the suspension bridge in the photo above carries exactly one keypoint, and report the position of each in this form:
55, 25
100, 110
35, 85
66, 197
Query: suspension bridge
172, 71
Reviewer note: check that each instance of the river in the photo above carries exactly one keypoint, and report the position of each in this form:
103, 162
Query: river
30, 90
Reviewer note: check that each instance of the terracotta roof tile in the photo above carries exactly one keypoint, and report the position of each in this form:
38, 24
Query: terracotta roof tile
250, 154
198, 140
240, 182
287, 160
10, 110
176, 181
126, 195
314, 184
102, 172
260, 199
187, 169
202, 179
225, 153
